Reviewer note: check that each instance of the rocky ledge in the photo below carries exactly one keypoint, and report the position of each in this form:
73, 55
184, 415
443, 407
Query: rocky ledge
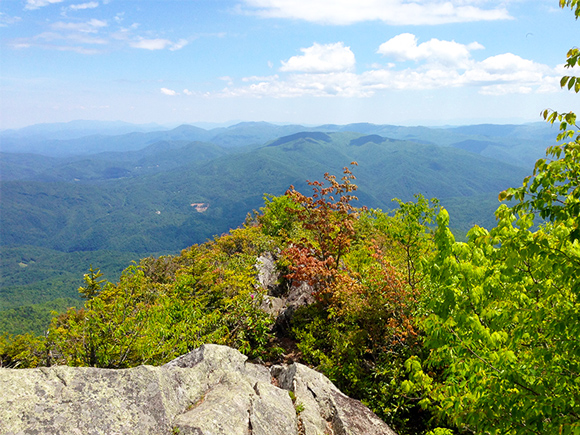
212, 390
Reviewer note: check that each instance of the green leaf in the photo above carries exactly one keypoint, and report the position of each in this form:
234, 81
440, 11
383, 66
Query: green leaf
563, 81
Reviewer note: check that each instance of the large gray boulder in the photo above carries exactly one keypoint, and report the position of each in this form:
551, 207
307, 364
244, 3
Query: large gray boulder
212, 390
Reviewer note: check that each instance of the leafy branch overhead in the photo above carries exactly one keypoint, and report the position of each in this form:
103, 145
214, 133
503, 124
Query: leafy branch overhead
573, 55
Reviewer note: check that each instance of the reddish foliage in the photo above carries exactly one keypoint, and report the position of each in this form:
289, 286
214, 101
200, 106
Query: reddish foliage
329, 217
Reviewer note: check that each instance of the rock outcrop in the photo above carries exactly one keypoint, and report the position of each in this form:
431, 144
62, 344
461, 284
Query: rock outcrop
282, 299
212, 390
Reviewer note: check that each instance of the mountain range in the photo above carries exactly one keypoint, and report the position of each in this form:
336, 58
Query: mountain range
154, 190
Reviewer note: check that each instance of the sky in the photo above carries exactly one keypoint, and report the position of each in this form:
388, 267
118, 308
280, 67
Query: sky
405, 62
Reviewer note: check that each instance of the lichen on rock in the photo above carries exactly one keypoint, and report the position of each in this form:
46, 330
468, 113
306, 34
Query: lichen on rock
212, 390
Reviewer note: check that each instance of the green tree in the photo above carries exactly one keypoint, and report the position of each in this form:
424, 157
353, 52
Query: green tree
410, 229
504, 308
93, 283
23, 351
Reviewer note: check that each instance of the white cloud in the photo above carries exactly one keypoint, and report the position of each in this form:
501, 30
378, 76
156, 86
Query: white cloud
187, 92
438, 65
503, 89
35, 4
76, 49
78, 38
81, 6
404, 47
322, 59
125, 33
6, 20
260, 78
91, 26
69, 36
509, 73
178, 45
74, 35
394, 12
227, 79
158, 44
343, 84
507, 63
169, 92
151, 44
71, 48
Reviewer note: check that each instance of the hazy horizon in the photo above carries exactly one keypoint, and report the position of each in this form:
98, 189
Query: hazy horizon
432, 63
226, 124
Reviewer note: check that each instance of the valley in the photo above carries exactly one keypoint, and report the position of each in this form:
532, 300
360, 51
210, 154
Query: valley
69, 203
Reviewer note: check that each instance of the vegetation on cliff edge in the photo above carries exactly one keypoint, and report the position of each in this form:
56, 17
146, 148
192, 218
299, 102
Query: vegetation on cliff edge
436, 336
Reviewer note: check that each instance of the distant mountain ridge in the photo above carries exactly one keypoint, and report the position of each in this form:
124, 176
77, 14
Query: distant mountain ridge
521, 144
77, 129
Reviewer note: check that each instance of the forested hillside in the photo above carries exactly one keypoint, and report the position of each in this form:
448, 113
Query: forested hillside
175, 192
147, 206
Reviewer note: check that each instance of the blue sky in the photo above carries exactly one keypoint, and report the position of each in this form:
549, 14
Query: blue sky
301, 61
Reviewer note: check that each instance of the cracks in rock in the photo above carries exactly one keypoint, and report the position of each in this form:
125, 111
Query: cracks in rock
301, 429
61, 379
329, 429
195, 404
311, 391
201, 399
250, 428
256, 389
